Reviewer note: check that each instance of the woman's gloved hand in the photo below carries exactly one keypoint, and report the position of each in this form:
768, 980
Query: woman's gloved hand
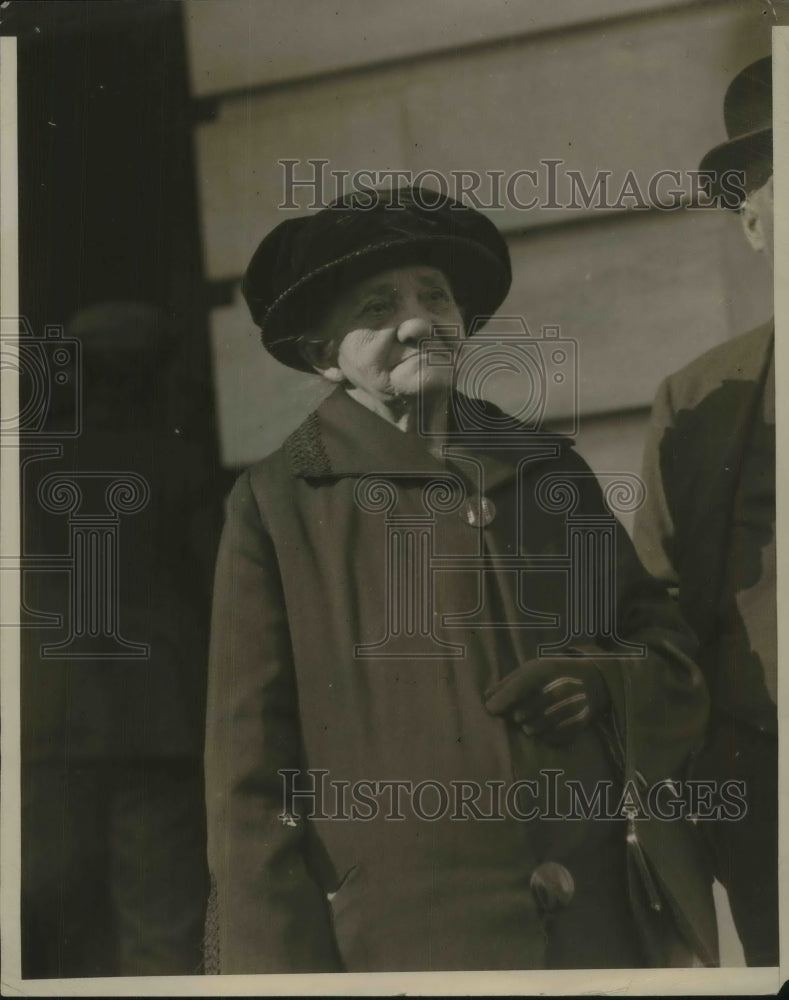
551, 698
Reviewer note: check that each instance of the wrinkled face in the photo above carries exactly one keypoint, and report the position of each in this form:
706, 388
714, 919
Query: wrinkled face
371, 336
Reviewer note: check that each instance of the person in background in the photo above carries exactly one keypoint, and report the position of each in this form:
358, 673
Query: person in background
114, 878
707, 530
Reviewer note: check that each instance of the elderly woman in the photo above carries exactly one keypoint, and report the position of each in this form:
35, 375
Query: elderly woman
389, 758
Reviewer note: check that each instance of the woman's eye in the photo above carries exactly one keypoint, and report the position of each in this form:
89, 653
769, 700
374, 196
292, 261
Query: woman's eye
438, 295
376, 307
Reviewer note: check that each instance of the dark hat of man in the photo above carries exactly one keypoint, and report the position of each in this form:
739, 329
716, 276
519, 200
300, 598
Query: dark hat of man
747, 113
303, 264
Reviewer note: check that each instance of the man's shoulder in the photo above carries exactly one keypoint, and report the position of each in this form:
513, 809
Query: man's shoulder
740, 359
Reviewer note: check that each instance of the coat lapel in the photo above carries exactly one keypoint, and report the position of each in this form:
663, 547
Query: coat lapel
342, 438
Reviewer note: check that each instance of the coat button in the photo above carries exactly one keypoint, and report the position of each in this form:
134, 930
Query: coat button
552, 885
478, 512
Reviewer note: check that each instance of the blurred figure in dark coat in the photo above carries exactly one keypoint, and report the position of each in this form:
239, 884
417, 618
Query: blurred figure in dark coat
113, 829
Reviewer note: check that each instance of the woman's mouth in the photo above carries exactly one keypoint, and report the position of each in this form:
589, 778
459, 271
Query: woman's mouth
408, 357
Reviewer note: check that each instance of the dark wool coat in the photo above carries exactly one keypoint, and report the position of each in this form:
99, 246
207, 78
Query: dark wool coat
76, 708
301, 583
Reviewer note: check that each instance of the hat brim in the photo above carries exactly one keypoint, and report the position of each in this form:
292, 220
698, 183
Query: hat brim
747, 154
478, 280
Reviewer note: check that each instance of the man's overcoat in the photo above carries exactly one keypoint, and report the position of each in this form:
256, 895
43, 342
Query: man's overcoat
707, 530
693, 464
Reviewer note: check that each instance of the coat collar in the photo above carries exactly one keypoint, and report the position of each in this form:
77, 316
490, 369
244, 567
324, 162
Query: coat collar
751, 355
753, 366
342, 438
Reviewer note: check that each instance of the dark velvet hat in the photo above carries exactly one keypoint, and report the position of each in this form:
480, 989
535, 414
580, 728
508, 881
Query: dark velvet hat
304, 263
747, 113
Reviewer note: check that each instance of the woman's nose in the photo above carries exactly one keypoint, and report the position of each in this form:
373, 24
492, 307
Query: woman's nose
414, 328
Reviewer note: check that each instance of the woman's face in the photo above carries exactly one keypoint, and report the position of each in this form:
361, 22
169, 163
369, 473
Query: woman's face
372, 333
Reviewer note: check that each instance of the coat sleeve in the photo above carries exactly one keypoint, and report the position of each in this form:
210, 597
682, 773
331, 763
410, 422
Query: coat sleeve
659, 697
654, 540
660, 712
266, 913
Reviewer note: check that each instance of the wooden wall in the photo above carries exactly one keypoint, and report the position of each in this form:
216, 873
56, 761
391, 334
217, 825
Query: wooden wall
486, 85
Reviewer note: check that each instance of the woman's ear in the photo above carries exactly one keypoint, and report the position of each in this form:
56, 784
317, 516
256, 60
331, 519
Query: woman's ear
319, 354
